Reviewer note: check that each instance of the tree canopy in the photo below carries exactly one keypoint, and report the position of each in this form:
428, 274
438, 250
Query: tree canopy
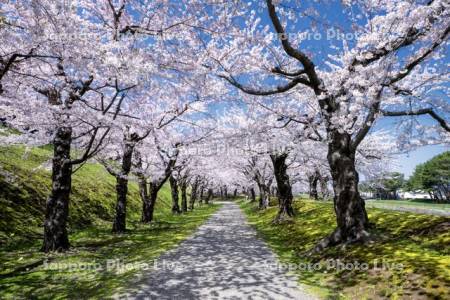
433, 176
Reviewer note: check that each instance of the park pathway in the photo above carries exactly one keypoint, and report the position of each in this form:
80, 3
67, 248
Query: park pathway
224, 259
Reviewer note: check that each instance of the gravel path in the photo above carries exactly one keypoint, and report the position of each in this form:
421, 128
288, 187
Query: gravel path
224, 259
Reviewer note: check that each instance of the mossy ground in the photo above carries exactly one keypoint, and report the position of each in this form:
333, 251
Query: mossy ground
24, 186
409, 258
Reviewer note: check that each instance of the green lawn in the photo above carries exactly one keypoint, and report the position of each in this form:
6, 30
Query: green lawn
81, 273
413, 249
25, 185
414, 203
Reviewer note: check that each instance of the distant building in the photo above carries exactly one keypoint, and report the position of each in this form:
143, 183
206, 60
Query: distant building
414, 195
400, 195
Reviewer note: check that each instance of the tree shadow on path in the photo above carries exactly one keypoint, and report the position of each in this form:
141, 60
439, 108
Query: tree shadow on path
223, 260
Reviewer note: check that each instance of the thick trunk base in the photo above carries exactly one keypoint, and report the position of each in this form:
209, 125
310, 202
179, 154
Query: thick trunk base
119, 225
338, 237
285, 215
57, 206
284, 189
351, 216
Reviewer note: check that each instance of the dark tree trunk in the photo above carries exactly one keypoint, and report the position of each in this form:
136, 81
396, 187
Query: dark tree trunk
235, 193
183, 187
226, 192
202, 188
145, 215
57, 206
431, 195
351, 216
119, 224
194, 194
143, 192
209, 196
149, 205
313, 180
174, 191
263, 196
324, 186
283, 186
252, 195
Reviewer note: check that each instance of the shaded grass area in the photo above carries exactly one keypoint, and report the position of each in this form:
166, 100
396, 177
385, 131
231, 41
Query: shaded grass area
409, 259
82, 272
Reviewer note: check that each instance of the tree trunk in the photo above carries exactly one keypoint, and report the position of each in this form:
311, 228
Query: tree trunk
324, 186
202, 188
183, 187
194, 192
174, 191
313, 179
252, 195
209, 196
263, 196
235, 193
57, 206
431, 195
149, 205
283, 187
225, 192
351, 216
119, 224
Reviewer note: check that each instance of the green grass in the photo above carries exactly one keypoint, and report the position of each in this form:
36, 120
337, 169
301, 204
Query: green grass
95, 247
415, 250
413, 203
24, 186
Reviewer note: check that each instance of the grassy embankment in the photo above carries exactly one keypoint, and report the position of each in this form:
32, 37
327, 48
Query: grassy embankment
409, 259
24, 187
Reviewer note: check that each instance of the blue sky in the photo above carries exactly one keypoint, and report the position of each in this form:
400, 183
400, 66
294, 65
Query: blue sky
407, 162
332, 12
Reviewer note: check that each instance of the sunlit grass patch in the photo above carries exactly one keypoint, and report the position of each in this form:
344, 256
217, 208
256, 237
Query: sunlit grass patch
27, 273
83, 271
409, 257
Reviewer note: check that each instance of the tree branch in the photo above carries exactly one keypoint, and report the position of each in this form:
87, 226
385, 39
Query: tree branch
412, 34
277, 90
291, 51
419, 112
278, 70
411, 65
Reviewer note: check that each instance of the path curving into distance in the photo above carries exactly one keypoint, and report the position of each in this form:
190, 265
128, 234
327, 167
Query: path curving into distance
224, 259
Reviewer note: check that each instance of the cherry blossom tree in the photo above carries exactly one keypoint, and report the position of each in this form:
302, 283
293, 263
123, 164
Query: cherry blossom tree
389, 69
72, 93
